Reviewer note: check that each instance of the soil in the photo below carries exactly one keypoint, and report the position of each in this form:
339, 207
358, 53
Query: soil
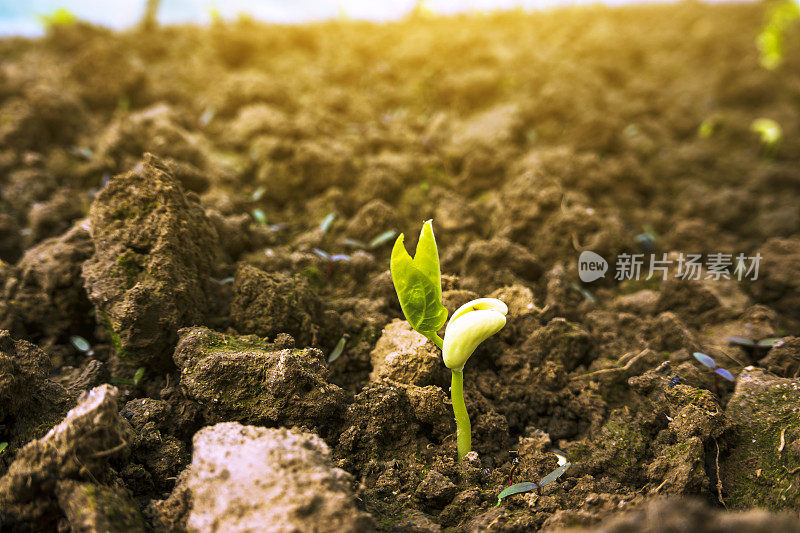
200, 206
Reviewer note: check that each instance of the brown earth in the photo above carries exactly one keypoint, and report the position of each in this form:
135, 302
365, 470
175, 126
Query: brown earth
162, 195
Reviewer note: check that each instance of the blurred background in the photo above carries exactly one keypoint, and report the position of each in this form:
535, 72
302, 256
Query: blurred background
23, 18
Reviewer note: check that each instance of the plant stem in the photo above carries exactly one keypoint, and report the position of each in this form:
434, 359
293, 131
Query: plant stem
463, 427
437, 340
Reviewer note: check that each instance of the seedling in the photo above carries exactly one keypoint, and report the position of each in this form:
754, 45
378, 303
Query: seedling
337, 351
331, 259
706, 128
755, 348
380, 239
260, 216
584, 292
137, 377
258, 194
708, 361
770, 134
418, 283
771, 40
528, 486
327, 222
80, 344
3, 446
60, 17
647, 239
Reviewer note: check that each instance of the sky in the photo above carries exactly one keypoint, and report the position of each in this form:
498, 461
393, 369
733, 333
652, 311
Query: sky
19, 17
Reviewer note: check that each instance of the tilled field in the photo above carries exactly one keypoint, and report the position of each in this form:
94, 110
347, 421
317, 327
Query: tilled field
192, 219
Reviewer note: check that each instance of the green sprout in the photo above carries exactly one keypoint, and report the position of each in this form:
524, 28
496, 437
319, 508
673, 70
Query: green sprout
80, 343
326, 224
770, 133
708, 361
60, 17
260, 216
528, 486
418, 284
337, 350
137, 377
3, 446
706, 128
771, 40
755, 347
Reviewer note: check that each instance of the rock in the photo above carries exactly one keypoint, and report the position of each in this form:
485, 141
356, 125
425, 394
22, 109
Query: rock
246, 478
89, 508
690, 300
94, 375
561, 341
763, 412
154, 445
29, 402
266, 304
259, 119
249, 380
55, 216
237, 233
42, 117
640, 302
44, 300
80, 446
308, 165
564, 297
392, 420
154, 252
499, 262
157, 129
784, 358
662, 515
405, 356
518, 298
778, 283
436, 489
23, 368
371, 220
667, 332
10, 239
105, 72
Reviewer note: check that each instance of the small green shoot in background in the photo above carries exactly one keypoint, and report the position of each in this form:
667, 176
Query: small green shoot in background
337, 351
260, 216
771, 41
528, 486
770, 134
708, 361
137, 377
80, 344
59, 18
327, 222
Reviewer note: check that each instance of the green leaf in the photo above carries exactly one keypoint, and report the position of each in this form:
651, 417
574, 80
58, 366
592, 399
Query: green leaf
137, 377
337, 351
3, 446
386, 236
427, 257
526, 486
741, 341
772, 341
418, 284
554, 475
